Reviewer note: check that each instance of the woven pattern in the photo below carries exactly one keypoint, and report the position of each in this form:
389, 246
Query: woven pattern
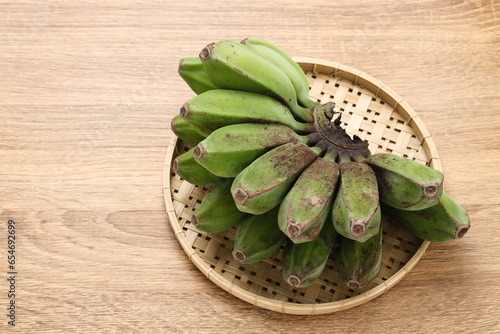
370, 111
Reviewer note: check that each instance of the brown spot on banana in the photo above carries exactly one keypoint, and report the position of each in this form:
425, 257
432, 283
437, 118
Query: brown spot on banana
313, 200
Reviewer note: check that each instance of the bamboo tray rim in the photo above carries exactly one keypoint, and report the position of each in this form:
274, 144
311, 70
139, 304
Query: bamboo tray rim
358, 77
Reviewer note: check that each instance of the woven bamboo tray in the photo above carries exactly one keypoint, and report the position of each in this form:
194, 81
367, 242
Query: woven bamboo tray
373, 112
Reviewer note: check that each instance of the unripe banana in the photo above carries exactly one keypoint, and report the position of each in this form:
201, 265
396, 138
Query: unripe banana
192, 71
287, 65
228, 150
306, 206
356, 209
232, 65
406, 184
303, 263
257, 238
359, 262
217, 211
264, 183
185, 131
216, 108
442, 222
191, 171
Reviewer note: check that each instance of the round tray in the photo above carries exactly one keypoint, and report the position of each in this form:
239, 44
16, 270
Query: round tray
377, 115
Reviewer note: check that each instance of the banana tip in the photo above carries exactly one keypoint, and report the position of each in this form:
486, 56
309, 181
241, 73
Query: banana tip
195, 221
239, 256
198, 152
294, 280
353, 284
431, 190
358, 228
184, 111
207, 51
240, 196
461, 232
175, 165
293, 231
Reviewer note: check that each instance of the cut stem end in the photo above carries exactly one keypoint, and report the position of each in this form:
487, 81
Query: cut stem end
431, 190
294, 280
175, 165
184, 111
207, 51
358, 228
195, 221
240, 197
462, 231
293, 231
353, 284
199, 151
239, 256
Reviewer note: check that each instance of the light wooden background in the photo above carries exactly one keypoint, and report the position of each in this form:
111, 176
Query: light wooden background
87, 91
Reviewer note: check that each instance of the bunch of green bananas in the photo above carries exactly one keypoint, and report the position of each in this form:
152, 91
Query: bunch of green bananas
282, 171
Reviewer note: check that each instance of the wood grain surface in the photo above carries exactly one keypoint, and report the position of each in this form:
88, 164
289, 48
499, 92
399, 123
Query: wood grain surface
87, 92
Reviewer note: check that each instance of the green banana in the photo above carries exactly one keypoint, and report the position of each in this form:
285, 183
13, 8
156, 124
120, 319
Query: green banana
264, 183
303, 263
359, 262
228, 150
257, 238
306, 206
216, 108
287, 65
184, 131
442, 222
191, 171
356, 209
406, 184
192, 71
217, 211
232, 65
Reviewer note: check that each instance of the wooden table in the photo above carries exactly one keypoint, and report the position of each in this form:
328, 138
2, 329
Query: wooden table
86, 96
